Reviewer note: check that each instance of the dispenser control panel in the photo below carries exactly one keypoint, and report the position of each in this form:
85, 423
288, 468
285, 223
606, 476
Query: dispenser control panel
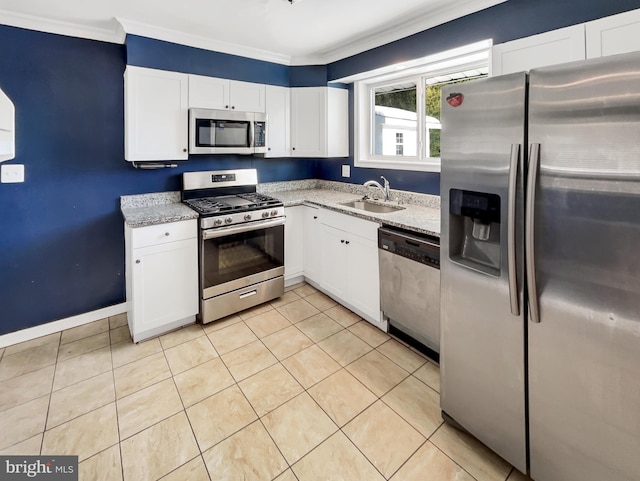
477, 205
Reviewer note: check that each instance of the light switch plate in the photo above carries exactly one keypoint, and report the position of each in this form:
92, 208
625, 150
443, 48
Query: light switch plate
346, 170
12, 173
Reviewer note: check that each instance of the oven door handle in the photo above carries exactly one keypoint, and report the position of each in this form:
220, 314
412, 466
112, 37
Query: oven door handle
251, 226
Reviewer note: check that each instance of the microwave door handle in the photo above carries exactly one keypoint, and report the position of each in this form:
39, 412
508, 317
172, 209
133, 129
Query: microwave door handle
251, 226
252, 126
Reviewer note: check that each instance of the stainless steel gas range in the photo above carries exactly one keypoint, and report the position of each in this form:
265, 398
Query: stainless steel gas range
241, 241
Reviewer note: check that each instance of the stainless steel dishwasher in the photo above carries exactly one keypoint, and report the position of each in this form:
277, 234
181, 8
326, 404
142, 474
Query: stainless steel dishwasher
410, 287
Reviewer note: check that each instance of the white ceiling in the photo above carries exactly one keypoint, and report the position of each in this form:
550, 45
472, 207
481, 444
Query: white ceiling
305, 32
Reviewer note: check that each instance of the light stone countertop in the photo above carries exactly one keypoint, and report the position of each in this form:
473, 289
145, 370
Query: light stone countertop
156, 208
413, 217
420, 213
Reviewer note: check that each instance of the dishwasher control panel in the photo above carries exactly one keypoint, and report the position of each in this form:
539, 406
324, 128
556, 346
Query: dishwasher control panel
424, 250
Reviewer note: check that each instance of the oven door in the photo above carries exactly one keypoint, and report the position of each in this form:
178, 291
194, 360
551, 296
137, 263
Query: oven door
235, 257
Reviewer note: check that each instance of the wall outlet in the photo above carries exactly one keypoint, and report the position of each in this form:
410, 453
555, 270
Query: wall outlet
12, 173
346, 170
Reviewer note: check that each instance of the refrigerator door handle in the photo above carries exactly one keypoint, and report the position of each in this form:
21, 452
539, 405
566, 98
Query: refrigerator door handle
532, 178
511, 232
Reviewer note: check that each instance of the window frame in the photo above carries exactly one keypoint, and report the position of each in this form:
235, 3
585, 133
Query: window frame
465, 58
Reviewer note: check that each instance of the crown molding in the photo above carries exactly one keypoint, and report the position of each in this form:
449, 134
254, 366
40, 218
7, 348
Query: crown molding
397, 32
160, 33
122, 26
60, 27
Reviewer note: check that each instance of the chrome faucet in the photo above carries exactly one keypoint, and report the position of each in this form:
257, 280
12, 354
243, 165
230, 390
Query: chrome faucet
385, 189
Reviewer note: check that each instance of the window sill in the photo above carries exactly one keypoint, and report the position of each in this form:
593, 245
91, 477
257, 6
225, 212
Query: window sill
397, 165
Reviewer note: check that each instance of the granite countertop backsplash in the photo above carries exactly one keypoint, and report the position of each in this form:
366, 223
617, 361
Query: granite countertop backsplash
420, 213
156, 208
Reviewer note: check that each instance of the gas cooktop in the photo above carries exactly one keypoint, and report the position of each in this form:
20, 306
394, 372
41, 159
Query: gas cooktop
214, 205
226, 198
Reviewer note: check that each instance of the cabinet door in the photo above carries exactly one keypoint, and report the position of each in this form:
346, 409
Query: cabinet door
7, 128
363, 277
164, 285
312, 244
293, 242
308, 122
337, 123
334, 261
278, 105
156, 104
208, 92
613, 35
550, 48
247, 96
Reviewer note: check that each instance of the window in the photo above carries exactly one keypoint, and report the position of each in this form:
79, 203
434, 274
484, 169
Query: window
397, 120
399, 143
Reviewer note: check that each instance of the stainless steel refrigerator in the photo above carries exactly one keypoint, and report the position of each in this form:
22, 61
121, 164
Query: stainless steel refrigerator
540, 267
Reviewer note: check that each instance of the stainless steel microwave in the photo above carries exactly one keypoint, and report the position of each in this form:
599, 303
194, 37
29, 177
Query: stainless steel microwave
227, 132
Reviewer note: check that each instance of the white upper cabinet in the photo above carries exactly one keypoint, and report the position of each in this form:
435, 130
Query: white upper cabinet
225, 94
319, 122
208, 92
613, 35
550, 48
278, 102
7, 128
155, 116
247, 96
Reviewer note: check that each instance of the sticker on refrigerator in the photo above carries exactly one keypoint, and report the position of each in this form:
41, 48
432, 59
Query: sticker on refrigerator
455, 99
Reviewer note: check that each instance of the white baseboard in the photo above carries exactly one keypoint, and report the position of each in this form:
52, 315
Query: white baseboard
57, 326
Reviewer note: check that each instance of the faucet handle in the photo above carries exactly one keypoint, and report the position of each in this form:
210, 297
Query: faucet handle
386, 182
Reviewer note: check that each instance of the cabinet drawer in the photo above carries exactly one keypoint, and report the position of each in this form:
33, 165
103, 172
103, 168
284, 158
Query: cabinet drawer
349, 223
163, 233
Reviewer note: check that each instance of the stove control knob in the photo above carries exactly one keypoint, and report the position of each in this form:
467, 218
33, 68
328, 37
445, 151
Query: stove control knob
228, 220
217, 222
265, 214
274, 212
247, 217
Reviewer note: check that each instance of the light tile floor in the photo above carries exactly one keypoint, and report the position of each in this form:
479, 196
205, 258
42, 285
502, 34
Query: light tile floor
296, 389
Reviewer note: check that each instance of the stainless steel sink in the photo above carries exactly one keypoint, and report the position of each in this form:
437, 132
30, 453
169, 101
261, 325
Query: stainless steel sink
372, 206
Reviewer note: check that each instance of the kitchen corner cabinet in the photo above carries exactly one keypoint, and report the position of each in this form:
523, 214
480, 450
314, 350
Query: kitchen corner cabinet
225, 94
161, 277
350, 263
155, 114
293, 244
613, 35
319, 122
278, 108
550, 48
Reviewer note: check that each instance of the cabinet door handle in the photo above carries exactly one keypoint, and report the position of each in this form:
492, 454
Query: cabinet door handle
294, 148
167, 234
346, 242
226, 106
342, 241
233, 106
315, 216
184, 150
137, 261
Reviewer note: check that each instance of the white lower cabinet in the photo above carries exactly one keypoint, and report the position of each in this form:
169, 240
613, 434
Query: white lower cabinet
350, 270
161, 277
294, 244
312, 244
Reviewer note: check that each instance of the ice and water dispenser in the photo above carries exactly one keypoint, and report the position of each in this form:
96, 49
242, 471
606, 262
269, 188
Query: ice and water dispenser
474, 230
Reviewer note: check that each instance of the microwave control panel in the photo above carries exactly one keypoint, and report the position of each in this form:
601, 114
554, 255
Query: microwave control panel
260, 134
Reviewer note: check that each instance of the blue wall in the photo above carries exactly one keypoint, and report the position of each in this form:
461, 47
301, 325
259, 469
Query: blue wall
61, 232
